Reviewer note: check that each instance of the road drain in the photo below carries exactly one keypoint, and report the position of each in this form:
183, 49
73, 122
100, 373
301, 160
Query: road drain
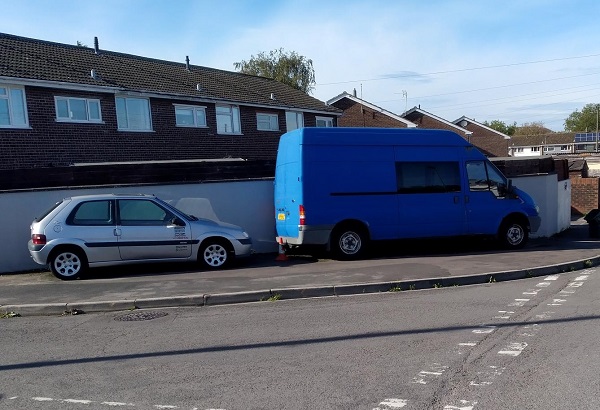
139, 316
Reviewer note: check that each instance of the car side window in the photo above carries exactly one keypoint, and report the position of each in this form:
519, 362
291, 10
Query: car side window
138, 212
92, 213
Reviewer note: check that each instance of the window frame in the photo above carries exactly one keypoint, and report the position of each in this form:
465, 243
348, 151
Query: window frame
408, 172
327, 120
195, 110
299, 119
120, 126
234, 115
270, 117
87, 101
11, 106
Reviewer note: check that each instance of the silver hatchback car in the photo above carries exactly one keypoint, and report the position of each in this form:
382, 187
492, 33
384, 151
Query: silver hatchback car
113, 229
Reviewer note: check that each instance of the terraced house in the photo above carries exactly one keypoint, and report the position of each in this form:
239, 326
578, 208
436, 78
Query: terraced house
66, 104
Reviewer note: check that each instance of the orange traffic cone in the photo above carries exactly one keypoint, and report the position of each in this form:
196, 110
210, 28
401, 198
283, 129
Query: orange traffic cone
282, 256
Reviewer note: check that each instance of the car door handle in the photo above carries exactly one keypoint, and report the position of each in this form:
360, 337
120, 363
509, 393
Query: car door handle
117, 231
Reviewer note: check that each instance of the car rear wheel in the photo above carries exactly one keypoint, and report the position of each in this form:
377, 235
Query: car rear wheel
215, 253
68, 263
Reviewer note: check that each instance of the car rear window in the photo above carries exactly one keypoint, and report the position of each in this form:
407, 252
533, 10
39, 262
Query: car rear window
45, 214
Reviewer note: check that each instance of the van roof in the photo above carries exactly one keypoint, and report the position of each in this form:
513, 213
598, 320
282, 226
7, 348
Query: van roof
378, 136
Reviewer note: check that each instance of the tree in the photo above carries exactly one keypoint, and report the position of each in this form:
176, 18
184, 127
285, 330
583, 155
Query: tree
532, 128
584, 120
502, 127
289, 68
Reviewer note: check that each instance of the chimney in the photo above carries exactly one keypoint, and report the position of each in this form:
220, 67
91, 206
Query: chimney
354, 92
96, 46
187, 63
272, 96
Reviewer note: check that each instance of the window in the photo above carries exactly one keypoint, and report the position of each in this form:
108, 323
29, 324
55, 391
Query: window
228, 119
519, 149
13, 110
190, 116
92, 213
324, 122
483, 176
139, 212
133, 114
77, 109
267, 122
427, 177
564, 147
535, 149
294, 120
548, 148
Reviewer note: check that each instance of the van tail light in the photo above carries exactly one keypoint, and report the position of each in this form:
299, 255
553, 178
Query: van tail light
38, 239
302, 214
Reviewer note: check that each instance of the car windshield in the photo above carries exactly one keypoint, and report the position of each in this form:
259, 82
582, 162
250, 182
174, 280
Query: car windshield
177, 211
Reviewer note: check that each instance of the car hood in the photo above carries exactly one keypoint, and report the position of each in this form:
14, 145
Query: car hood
217, 224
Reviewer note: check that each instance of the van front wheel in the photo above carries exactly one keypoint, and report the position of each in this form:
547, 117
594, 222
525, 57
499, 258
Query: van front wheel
348, 243
513, 235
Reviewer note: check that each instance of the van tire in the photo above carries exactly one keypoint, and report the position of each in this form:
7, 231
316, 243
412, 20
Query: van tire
68, 263
513, 234
349, 242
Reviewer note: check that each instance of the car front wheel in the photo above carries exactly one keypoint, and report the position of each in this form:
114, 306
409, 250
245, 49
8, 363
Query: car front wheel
68, 263
215, 253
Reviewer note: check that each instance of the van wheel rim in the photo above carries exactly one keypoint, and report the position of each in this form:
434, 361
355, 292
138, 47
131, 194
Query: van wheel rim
67, 264
350, 243
215, 255
515, 235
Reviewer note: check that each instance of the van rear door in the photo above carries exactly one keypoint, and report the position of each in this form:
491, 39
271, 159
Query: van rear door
288, 198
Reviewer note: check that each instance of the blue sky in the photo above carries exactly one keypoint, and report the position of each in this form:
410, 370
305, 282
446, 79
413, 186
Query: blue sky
512, 60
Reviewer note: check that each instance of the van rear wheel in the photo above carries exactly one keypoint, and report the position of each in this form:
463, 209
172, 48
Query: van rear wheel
348, 243
513, 235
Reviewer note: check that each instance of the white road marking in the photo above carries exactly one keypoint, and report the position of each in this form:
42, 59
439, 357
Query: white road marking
464, 405
531, 292
544, 316
551, 277
77, 401
513, 349
116, 404
575, 285
160, 406
389, 404
566, 292
519, 302
543, 284
42, 399
557, 302
484, 329
470, 344
582, 277
425, 376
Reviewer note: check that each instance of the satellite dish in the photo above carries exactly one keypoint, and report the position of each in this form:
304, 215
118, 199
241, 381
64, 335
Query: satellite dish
463, 123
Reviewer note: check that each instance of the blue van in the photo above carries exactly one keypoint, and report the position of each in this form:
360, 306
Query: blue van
346, 187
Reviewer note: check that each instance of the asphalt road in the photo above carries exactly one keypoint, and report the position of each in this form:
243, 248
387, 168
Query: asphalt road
527, 344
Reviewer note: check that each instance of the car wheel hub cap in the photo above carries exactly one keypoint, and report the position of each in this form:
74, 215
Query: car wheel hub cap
67, 264
350, 243
215, 255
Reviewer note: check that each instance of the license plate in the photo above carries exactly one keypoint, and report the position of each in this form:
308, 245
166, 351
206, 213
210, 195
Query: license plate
281, 217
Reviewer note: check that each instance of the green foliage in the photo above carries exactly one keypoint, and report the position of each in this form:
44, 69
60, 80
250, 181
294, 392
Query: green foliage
584, 120
9, 315
273, 298
532, 128
588, 263
287, 67
502, 127
397, 288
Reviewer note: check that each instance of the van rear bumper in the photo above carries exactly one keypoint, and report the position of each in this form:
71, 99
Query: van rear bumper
307, 235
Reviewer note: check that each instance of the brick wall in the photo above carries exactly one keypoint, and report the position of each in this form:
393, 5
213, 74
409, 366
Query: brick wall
584, 195
50, 143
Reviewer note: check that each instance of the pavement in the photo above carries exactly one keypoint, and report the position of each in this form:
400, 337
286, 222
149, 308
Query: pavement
393, 266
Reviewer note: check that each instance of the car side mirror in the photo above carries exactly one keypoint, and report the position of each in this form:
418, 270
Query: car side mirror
177, 221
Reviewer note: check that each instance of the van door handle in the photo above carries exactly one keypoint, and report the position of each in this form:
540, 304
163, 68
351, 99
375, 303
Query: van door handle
117, 232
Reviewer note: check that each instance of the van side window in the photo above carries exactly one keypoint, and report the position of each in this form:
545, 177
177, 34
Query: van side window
427, 177
483, 176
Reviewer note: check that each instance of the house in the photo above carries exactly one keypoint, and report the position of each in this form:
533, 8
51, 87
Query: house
492, 142
543, 144
424, 119
360, 113
64, 104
